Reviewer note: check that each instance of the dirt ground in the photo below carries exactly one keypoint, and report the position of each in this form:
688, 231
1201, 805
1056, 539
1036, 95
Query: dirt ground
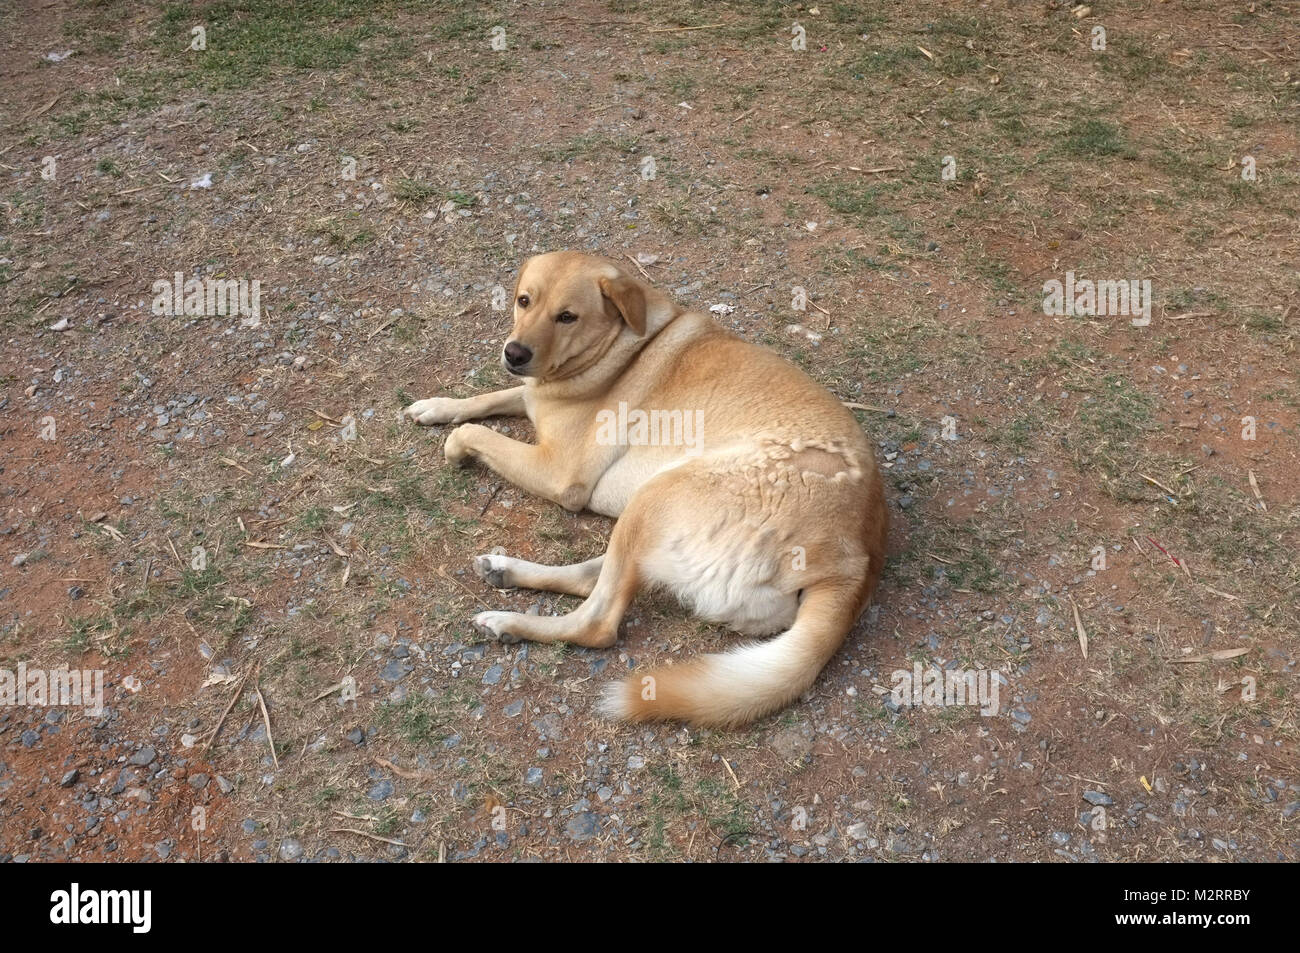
233, 524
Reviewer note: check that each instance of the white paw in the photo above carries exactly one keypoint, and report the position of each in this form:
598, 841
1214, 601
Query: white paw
493, 568
434, 410
455, 448
493, 625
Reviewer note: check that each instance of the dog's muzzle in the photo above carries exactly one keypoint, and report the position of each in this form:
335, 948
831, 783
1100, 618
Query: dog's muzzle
516, 357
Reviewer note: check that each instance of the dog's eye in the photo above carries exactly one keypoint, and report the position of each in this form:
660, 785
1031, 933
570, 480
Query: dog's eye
566, 317
523, 301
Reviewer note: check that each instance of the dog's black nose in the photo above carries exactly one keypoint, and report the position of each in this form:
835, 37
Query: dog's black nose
517, 355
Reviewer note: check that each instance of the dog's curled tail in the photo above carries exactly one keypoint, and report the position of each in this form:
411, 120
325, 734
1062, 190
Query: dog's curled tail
732, 688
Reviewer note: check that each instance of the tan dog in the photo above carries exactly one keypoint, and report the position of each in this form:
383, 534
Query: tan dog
739, 484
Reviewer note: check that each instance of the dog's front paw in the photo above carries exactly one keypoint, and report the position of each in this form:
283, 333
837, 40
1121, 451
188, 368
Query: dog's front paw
457, 447
434, 410
494, 626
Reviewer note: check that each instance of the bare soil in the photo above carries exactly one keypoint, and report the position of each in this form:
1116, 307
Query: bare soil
202, 527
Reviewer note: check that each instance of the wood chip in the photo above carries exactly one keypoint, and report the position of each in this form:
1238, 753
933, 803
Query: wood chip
338, 550
1078, 626
410, 774
1254, 485
685, 29
266, 720
353, 830
239, 690
734, 780
1218, 655
328, 692
1154, 482
44, 109
236, 464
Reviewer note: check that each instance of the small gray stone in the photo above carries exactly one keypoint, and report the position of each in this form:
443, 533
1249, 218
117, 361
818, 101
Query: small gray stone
396, 670
1098, 798
290, 849
145, 756
124, 777
582, 826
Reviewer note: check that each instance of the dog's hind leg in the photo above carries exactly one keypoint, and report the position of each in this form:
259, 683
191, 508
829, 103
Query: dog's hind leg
506, 572
595, 622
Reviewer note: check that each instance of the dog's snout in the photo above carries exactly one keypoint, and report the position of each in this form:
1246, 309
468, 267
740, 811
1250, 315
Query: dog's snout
517, 355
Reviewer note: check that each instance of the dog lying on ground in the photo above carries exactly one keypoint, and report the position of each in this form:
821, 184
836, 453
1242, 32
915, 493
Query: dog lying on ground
738, 484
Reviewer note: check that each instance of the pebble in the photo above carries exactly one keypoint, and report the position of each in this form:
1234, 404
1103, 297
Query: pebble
396, 670
583, 826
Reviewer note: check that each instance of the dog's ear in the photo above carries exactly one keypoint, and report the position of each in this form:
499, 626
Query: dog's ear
628, 298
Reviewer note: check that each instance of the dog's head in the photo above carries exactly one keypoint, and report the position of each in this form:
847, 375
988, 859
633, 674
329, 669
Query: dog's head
569, 309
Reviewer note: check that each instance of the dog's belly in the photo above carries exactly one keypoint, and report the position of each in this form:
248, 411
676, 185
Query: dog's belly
730, 577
